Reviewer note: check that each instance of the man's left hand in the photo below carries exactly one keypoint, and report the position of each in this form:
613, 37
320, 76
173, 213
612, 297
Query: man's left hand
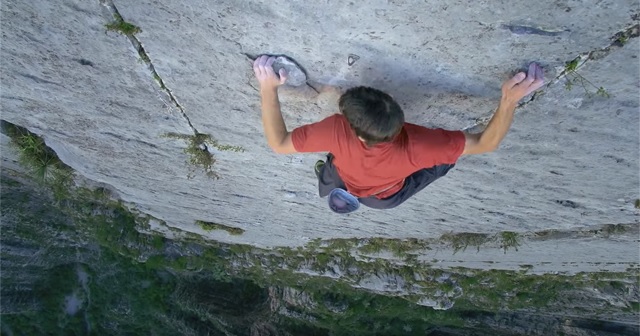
263, 68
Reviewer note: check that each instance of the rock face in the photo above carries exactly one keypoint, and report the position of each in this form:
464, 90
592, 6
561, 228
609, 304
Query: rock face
135, 111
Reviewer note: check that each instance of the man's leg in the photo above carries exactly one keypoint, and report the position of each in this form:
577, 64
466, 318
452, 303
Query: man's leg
412, 185
328, 178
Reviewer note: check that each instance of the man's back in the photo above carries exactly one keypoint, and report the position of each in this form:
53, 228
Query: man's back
379, 170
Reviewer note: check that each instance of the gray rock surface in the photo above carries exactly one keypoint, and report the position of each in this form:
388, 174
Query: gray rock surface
570, 161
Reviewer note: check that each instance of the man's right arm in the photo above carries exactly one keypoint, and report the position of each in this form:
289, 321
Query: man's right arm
512, 91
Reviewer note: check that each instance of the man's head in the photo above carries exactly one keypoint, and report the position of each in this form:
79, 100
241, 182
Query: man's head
374, 115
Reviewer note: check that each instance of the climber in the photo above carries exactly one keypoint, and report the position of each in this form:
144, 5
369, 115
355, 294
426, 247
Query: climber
375, 158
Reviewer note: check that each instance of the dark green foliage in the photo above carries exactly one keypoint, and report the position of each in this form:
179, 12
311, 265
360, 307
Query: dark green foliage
140, 283
208, 226
135, 287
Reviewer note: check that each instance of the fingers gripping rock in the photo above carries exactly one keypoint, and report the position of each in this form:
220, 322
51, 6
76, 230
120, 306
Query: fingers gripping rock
295, 75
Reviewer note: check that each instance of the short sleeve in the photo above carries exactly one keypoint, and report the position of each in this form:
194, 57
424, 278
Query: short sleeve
433, 147
316, 137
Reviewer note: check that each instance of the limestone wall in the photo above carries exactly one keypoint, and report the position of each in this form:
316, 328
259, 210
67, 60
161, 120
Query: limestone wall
120, 109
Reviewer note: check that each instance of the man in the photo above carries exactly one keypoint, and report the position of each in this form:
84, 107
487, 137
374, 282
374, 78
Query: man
375, 158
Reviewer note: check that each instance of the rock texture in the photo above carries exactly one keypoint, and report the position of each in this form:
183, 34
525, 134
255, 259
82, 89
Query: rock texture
571, 159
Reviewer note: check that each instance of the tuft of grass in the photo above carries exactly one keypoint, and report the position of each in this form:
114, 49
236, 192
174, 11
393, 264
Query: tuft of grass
228, 148
461, 241
33, 153
573, 77
622, 38
637, 203
42, 162
402, 248
209, 226
198, 151
509, 240
199, 155
123, 27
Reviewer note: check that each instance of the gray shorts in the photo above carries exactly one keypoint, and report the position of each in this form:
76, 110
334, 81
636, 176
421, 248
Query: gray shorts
328, 179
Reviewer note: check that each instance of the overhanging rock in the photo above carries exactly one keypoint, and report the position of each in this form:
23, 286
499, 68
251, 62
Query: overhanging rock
571, 159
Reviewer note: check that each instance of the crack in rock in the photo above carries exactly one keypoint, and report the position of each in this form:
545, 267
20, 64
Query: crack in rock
145, 58
618, 40
200, 154
529, 30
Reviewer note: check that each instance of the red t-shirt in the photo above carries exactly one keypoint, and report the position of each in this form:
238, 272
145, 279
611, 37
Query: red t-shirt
379, 170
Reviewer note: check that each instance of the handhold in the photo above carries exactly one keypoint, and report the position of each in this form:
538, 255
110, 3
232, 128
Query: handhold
295, 75
352, 59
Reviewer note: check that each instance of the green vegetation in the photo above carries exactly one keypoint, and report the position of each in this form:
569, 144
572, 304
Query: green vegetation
39, 159
140, 283
199, 155
572, 77
124, 28
208, 226
622, 38
159, 80
407, 248
164, 293
634, 307
121, 26
509, 240
614, 228
461, 241
399, 247
33, 153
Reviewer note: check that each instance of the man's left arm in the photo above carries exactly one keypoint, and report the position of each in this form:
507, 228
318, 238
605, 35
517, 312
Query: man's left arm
275, 130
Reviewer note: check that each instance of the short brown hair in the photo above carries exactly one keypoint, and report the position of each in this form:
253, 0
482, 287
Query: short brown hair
372, 114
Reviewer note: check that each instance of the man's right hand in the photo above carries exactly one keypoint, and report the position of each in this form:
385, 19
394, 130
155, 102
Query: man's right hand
512, 91
522, 84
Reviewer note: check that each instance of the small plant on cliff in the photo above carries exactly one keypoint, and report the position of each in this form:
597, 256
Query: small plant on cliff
623, 37
198, 151
508, 240
209, 226
460, 241
573, 77
123, 27
41, 160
